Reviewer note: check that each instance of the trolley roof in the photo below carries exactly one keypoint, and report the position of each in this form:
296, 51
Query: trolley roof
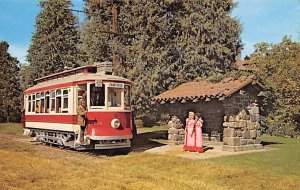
72, 77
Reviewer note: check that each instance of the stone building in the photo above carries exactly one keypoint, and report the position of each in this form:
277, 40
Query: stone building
229, 108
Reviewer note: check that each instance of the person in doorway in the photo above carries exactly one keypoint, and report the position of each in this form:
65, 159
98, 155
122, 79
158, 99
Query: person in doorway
198, 133
189, 143
82, 118
84, 95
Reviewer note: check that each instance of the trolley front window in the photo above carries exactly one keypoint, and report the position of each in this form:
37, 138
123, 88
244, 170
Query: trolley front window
114, 97
97, 95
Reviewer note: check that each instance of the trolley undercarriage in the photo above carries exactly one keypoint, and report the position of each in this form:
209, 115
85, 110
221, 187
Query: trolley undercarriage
65, 139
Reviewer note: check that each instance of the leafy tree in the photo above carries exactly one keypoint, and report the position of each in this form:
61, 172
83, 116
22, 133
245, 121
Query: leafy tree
9, 86
164, 43
278, 68
54, 45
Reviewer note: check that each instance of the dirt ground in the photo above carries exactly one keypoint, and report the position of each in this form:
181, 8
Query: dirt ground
211, 151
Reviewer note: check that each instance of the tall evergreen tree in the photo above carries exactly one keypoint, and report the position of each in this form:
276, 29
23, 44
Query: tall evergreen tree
24, 76
167, 42
24, 79
9, 86
54, 45
96, 42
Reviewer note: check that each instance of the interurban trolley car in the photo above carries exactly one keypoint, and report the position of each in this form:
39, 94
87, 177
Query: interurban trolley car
50, 108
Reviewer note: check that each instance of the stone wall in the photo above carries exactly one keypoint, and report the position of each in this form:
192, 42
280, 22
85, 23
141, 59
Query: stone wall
240, 100
242, 131
212, 111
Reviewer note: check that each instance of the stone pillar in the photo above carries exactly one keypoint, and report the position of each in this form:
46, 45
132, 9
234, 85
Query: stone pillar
242, 132
176, 133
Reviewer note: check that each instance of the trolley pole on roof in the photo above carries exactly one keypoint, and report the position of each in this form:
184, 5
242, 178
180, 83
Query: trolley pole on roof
114, 29
114, 11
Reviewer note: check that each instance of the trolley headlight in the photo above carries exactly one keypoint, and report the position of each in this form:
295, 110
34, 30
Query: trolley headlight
115, 123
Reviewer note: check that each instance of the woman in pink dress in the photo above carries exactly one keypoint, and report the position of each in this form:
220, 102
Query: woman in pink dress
198, 133
190, 142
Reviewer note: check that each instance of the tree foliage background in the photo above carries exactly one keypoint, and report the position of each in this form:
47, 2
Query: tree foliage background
160, 44
163, 43
54, 44
278, 68
10, 92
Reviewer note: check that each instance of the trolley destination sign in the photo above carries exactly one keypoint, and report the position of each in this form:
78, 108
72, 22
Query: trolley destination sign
116, 85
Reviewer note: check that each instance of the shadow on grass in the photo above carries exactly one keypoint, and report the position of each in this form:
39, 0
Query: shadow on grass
207, 148
145, 141
267, 143
110, 152
141, 143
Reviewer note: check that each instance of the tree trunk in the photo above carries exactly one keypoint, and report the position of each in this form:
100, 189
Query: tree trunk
7, 116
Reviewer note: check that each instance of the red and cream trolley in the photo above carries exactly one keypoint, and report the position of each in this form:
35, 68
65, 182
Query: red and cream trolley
50, 108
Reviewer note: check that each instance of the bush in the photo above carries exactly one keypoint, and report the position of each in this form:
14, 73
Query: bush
149, 120
139, 123
163, 119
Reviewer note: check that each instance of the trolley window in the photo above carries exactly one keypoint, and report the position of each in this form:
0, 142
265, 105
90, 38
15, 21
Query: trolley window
97, 95
29, 103
33, 103
52, 101
65, 101
114, 97
115, 93
37, 105
58, 101
42, 102
47, 102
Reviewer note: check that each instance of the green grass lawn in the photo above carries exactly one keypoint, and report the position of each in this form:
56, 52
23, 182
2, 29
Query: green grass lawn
28, 166
283, 160
151, 129
11, 128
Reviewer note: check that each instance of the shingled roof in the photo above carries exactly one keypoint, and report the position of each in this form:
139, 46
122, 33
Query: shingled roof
206, 90
244, 65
